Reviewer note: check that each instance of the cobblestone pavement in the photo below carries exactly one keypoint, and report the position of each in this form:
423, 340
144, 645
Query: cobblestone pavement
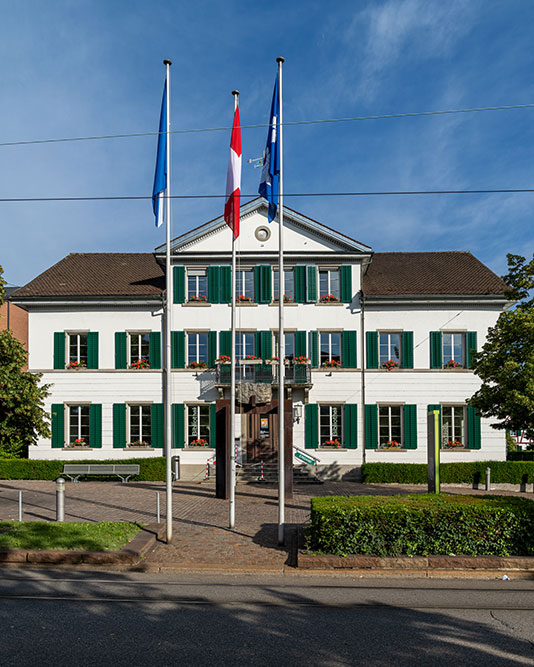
201, 538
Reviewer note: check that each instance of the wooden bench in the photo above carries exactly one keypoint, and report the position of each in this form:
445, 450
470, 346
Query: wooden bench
122, 470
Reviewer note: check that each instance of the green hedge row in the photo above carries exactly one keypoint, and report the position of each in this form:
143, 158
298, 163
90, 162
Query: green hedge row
469, 472
420, 525
150, 469
520, 456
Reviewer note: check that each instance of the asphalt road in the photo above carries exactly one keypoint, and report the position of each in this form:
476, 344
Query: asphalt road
69, 617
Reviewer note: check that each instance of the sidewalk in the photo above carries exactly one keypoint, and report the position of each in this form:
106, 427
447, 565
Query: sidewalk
201, 538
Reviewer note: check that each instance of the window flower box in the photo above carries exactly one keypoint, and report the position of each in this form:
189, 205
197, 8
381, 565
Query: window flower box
334, 443
223, 359
287, 299
453, 444
301, 361
139, 443
328, 298
200, 298
243, 298
79, 442
199, 442
333, 363
139, 364
452, 364
392, 444
198, 365
76, 365
390, 365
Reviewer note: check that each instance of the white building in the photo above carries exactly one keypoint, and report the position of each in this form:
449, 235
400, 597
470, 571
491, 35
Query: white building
408, 347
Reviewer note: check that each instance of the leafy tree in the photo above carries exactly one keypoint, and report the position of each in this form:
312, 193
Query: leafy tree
22, 418
506, 362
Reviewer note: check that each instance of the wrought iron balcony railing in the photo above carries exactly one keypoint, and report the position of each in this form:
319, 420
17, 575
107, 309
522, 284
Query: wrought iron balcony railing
295, 374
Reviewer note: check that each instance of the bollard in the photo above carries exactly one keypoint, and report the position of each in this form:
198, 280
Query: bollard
158, 508
60, 499
261, 478
488, 479
20, 505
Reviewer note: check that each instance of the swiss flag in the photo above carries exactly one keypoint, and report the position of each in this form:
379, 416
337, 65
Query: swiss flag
233, 178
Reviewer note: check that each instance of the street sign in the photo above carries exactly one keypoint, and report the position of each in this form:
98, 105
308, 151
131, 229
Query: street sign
303, 457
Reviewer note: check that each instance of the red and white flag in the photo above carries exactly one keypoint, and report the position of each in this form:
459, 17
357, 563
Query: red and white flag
233, 178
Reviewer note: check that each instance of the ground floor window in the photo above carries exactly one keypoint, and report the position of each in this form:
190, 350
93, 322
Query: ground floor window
390, 427
331, 425
79, 425
453, 421
140, 425
198, 425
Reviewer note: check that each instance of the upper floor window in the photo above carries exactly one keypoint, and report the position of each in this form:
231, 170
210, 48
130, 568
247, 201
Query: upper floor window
244, 285
453, 421
244, 344
330, 349
289, 340
197, 285
139, 349
289, 285
77, 350
453, 350
140, 424
79, 425
390, 426
389, 350
331, 425
198, 425
197, 348
329, 285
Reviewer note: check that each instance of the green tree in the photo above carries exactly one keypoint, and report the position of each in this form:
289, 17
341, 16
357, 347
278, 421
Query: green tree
22, 417
506, 362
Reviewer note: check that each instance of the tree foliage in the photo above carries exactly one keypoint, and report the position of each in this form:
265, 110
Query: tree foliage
506, 362
22, 417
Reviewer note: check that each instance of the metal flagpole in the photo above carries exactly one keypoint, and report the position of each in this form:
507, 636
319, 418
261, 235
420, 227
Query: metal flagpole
281, 337
231, 509
168, 318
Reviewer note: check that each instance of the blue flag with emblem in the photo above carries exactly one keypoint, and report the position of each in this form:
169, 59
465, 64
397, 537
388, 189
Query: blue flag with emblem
270, 174
160, 177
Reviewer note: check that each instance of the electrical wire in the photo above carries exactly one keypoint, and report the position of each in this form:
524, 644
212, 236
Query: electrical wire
259, 125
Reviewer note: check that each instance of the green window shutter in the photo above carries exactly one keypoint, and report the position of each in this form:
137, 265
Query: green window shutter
95, 425
473, 428
158, 426
213, 425
371, 427
345, 276
262, 283
410, 427
371, 349
155, 349
178, 425
214, 290
407, 349
431, 408
212, 348
264, 344
120, 349
300, 343
59, 349
177, 349
58, 425
119, 425
225, 284
225, 343
314, 349
311, 284
311, 416
436, 355
470, 347
350, 425
300, 284
178, 284
348, 349
92, 349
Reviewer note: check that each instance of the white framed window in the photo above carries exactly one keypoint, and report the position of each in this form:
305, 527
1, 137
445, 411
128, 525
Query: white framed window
330, 425
390, 426
329, 285
139, 424
139, 348
289, 339
289, 285
197, 347
197, 285
244, 344
198, 425
453, 427
244, 285
389, 348
453, 350
78, 425
77, 348
330, 347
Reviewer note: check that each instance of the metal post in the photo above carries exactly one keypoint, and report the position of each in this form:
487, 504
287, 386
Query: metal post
20, 505
60, 499
488, 479
158, 515
176, 467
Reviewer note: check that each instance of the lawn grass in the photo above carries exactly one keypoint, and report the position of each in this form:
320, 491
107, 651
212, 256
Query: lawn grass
101, 536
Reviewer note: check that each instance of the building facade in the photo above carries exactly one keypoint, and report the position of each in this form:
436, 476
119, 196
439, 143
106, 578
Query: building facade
372, 340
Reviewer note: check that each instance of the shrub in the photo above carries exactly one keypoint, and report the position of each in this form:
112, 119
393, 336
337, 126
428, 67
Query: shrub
468, 472
150, 470
422, 525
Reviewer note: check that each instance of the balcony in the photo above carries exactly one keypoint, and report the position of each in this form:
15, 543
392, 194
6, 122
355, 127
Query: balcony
257, 372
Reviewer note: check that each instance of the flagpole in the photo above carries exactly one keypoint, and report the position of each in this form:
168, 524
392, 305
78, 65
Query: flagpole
281, 337
168, 317
231, 508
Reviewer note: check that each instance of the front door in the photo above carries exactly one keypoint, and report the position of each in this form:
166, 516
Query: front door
262, 436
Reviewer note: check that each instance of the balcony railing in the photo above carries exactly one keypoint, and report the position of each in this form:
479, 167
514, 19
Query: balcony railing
295, 374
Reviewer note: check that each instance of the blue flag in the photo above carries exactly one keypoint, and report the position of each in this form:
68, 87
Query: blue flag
160, 177
270, 174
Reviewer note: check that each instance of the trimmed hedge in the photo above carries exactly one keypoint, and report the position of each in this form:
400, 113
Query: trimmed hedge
150, 469
469, 472
421, 525
520, 456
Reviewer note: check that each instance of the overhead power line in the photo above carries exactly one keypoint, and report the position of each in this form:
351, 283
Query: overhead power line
377, 193
287, 123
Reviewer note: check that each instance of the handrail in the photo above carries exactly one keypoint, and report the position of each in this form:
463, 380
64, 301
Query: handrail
306, 451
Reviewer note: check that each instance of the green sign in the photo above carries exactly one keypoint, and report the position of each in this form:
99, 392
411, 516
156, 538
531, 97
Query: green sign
304, 457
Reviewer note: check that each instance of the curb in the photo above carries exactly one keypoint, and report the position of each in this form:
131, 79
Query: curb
130, 554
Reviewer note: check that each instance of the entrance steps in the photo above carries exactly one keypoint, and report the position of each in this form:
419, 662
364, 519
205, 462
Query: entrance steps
268, 474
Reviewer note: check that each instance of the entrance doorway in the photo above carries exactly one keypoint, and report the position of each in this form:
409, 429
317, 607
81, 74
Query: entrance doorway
261, 433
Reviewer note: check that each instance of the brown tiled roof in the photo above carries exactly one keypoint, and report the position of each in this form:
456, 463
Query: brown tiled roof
98, 274
405, 273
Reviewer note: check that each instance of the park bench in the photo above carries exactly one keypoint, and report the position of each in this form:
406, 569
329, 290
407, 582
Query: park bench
122, 470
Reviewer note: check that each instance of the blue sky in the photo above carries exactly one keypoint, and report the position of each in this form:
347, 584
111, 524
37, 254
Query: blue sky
89, 67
